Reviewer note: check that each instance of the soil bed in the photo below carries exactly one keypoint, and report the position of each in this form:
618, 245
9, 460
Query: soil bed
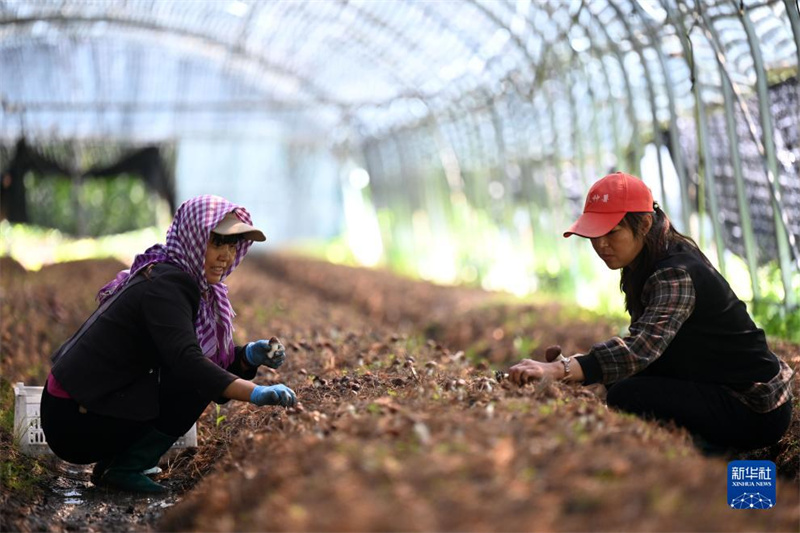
405, 423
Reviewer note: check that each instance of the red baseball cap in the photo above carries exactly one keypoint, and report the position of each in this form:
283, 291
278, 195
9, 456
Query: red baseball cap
608, 201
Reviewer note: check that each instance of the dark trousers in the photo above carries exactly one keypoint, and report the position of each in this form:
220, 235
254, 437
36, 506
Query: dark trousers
705, 409
84, 437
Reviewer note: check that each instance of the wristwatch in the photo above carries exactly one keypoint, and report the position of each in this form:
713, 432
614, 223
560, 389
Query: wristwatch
564, 361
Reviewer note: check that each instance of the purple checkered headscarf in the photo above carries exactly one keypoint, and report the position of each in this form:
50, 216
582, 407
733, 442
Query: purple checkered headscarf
187, 239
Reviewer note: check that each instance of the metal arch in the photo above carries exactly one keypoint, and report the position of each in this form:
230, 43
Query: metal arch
397, 36
542, 61
556, 153
650, 92
673, 123
793, 10
499, 138
577, 58
433, 15
465, 38
559, 216
443, 143
382, 177
375, 167
613, 106
596, 142
783, 236
744, 206
375, 22
570, 99
523, 120
477, 143
718, 46
407, 177
233, 50
519, 44
489, 109
636, 140
702, 137
733, 92
527, 163
618, 150
538, 164
410, 91
417, 166
498, 23
505, 160
442, 186
778, 43
729, 93
577, 138
460, 128
538, 67
679, 165
244, 33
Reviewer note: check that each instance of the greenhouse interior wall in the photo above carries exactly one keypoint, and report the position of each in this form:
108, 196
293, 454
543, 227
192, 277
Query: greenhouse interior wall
451, 141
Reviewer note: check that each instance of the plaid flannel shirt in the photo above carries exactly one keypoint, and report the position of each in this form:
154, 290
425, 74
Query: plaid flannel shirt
671, 300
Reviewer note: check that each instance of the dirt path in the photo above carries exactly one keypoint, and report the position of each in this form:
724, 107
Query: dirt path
404, 424
74, 504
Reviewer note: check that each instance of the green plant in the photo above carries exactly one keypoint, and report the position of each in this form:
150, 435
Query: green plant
95, 207
6, 406
21, 475
770, 311
525, 346
218, 419
776, 320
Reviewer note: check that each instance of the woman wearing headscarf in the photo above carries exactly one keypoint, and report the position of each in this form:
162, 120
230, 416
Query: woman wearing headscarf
142, 369
692, 355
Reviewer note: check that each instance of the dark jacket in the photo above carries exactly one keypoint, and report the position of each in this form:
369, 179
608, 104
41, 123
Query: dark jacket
113, 369
719, 341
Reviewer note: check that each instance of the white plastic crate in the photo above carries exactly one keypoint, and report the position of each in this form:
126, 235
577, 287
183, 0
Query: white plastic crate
28, 429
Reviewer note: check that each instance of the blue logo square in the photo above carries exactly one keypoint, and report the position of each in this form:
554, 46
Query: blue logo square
752, 484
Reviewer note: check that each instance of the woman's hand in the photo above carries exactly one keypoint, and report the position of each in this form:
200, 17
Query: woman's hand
529, 370
273, 395
270, 353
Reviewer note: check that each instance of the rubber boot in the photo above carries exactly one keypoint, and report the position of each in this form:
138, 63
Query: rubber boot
98, 470
124, 472
101, 466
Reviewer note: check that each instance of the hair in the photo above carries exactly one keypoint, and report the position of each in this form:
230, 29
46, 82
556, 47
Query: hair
219, 240
659, 241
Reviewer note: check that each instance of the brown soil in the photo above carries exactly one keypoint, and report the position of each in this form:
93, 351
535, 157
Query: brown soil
404, 422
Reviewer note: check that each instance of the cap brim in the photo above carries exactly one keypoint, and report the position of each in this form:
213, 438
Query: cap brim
591, 225
233, 226
254, 235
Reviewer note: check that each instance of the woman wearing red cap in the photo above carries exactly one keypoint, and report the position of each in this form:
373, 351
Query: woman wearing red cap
692, 355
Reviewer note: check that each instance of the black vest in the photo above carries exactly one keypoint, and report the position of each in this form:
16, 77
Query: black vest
719, 342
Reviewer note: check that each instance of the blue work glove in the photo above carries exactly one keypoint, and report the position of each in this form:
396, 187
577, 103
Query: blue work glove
273, 395
270, 353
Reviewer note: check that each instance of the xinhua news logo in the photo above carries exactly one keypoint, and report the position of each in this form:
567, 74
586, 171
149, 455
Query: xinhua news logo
752, 484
